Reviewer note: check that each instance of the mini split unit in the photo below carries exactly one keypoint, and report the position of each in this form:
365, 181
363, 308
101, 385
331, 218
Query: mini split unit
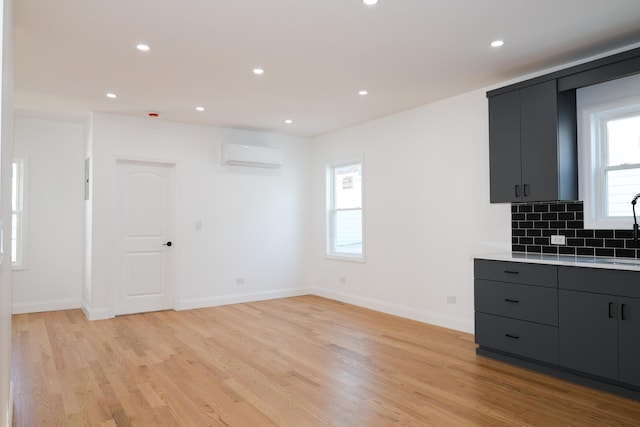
251, 155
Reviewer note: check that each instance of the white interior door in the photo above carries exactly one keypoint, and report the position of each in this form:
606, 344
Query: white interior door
146, 224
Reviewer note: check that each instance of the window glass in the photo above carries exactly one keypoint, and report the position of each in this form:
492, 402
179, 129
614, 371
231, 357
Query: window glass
348, 186
623, 140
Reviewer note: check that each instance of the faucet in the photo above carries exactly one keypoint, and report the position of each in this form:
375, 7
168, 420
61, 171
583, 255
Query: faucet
635, 221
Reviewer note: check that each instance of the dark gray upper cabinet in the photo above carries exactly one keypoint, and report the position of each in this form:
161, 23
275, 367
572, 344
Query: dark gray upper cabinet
504, 147
532, 144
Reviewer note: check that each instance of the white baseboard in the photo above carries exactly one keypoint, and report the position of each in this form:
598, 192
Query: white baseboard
53, 305
189, 304
432, 318
95, 313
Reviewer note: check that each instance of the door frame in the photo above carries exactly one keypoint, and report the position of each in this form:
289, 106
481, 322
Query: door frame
117, 240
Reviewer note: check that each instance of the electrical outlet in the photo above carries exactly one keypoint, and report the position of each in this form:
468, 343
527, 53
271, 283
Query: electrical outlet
240, 281
558, 240
451, 299
343, 280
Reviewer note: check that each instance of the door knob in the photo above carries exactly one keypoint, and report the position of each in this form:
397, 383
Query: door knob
167, 244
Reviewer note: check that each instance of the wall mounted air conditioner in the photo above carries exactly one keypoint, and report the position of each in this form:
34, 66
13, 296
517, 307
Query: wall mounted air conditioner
250, 155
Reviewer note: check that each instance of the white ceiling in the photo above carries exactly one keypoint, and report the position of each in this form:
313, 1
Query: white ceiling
317, 54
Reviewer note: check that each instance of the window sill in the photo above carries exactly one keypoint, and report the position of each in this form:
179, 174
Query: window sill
608, 224
348, 258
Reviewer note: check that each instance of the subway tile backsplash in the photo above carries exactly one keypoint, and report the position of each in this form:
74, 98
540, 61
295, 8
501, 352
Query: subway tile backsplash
533, 224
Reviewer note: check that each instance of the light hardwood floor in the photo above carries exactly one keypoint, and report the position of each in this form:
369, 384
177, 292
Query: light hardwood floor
304, 361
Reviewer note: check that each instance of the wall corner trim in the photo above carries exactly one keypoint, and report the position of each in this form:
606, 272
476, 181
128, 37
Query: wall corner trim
95, 313
10, 406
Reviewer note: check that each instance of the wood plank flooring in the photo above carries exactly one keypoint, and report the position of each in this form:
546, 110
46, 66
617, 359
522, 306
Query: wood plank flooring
304, 361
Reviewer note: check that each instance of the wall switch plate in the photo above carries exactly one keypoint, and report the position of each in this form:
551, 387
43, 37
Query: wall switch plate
451, 300
558, 240
240, 281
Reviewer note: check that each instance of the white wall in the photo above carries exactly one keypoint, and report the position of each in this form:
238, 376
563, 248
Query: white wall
254, 221
54, 169
427, 211
6, 155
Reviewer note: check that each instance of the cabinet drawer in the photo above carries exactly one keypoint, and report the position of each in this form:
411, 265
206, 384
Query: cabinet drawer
516, 272
522, 338
600, 280
524, 302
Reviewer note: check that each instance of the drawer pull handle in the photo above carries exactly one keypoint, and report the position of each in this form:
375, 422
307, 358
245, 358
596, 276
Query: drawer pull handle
511, 272
622, 316
515, 337
610, 307
512, 300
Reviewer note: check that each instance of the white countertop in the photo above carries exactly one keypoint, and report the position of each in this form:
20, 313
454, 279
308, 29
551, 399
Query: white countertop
568, 260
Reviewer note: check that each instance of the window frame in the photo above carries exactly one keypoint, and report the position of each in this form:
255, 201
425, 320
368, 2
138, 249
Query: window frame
592, 155
331, 211
20, 239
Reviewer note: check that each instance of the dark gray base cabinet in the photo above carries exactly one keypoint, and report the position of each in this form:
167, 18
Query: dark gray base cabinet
577, 323
600, 332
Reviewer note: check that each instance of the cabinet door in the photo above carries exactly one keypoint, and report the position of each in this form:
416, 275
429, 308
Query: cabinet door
539, 142
629, 340
504, 147
588, 335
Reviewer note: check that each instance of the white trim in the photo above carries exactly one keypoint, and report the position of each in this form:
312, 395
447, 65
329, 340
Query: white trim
40, 306
96, 314
429, 317
10, 405
194, 303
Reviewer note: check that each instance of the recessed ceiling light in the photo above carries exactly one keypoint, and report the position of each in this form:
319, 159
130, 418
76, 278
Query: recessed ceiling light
199, 108
497, 43
143, 47
111, 95
258, 71
370, 2
363, 92
288, 121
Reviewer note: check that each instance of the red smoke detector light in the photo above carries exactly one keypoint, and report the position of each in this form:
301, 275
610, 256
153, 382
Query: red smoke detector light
153, 114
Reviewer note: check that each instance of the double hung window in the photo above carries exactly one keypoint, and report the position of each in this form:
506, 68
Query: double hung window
18, 215
345, 230
609, 151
